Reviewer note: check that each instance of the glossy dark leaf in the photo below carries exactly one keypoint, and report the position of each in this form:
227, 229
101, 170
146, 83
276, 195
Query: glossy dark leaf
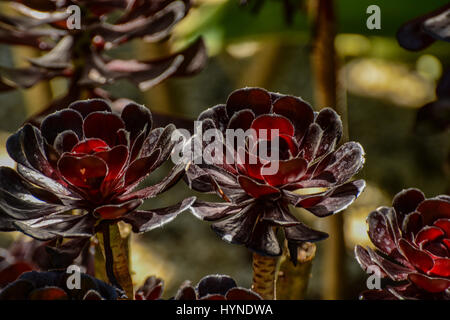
143, 221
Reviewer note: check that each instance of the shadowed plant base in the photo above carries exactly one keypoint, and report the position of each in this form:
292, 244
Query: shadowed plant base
119, 248
264, 276
292, 280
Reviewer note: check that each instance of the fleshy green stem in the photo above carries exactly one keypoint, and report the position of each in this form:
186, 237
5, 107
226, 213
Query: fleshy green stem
264, 276
115, 250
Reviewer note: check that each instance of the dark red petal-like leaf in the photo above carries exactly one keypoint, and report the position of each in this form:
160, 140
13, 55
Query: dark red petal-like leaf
115, 159
255, 189
444, 224
14, 148
136, 117
212, 211
412, 223
139, 168
26, 147
90, 146
302, 233
143, 221
14, 184
103, 125
263, 240
441, 267
24, 209
416, 257
33, 146
298, 111
330, 122
381, 232
428, 234
49, 228
241, 120
256, 99
171, 179
364, 259
43, 181
215, 284
395, 271
166, 143
406, 201
235, 229
339, 199
429, 284
186, 292
345, 162
152, 289
217, 114
65, 141
289, 171
311, 142
83, 172
279, 215
115, 211
272, 122
434, 209
86, 107
61, 121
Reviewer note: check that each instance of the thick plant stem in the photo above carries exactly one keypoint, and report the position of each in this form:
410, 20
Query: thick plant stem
115, 250
264, 276
292, 280
324, 62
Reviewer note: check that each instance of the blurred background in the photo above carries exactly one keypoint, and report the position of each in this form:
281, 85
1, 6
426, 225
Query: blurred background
381, 85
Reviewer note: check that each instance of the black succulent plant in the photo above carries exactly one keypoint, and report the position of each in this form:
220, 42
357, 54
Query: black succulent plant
412, 247
81, 55
311, 173
89, 159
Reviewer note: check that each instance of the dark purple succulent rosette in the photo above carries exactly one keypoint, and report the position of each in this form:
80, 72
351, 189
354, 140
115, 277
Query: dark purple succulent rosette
215, 287
212, 287
90, 159
312, 173
412, 241
52, 285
